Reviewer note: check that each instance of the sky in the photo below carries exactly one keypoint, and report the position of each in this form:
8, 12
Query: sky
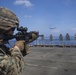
45, 16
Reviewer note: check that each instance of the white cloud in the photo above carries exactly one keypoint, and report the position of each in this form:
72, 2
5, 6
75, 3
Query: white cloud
27, 16
27, 3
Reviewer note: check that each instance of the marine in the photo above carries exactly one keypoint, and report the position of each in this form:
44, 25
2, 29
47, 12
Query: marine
11, 59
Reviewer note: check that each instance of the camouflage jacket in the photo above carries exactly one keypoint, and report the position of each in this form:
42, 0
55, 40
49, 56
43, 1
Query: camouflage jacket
11, 62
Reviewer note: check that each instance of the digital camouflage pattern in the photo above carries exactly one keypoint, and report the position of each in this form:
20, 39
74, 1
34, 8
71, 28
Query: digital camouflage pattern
11, 63
11, 60
8, 19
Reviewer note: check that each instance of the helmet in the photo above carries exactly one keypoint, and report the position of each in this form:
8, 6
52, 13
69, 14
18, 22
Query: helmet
8, 19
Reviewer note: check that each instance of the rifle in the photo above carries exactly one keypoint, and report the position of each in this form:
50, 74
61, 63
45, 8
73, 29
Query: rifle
21, 35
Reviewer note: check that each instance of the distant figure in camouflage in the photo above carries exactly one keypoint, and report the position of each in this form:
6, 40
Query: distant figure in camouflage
11, 60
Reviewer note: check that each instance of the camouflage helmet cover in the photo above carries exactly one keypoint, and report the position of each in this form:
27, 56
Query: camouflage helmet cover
8, 19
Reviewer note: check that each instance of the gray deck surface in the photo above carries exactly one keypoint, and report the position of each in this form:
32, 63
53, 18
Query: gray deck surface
50, 61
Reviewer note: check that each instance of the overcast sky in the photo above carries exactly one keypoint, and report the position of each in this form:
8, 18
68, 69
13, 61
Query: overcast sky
41, 15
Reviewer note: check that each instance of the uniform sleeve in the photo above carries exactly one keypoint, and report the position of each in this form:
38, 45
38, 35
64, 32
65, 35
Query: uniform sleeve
14, 64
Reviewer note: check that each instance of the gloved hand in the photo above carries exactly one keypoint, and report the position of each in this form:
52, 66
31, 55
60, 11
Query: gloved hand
20, 44
24, 48
34, 36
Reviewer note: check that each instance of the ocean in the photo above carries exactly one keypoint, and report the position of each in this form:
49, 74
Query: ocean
54, 42
47, 41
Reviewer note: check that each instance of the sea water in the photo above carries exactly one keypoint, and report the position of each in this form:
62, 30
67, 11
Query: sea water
47, 41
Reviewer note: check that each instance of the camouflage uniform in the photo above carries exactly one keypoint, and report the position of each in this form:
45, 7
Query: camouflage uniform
11, 63
11, 60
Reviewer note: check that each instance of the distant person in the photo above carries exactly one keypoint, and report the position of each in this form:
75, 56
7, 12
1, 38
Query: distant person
11, 59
